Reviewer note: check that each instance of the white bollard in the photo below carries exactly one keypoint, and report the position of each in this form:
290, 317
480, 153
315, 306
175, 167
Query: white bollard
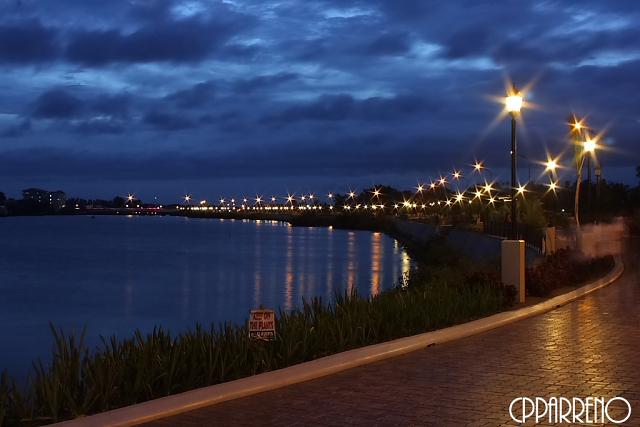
513, 266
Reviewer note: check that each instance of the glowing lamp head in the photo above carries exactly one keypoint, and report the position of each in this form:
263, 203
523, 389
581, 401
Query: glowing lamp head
420, 188
478, 167
130, 198
590, 146
521, 189
513, 103
330, 195
187, 198
352, 194
551, 165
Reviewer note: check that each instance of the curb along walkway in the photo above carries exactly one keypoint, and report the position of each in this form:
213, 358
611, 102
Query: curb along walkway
587, 348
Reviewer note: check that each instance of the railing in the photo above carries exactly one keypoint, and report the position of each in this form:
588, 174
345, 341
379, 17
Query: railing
534, 237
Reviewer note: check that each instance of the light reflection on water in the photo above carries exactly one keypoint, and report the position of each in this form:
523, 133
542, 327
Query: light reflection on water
115, 274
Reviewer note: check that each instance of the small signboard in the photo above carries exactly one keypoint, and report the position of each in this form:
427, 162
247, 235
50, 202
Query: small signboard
262, 325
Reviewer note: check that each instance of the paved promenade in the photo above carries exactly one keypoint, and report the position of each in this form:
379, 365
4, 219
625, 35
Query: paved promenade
590, 347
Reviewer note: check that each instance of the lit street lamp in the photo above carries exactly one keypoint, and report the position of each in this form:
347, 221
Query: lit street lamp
513, 104
551, 166
589, 147
598, 171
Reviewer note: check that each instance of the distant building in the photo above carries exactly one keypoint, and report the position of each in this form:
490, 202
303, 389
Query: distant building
57, 199
53, 199
36, 195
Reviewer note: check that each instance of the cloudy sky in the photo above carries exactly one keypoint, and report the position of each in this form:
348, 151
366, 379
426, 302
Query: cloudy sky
163, 98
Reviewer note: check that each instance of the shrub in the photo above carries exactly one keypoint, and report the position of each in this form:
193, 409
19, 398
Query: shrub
564, 268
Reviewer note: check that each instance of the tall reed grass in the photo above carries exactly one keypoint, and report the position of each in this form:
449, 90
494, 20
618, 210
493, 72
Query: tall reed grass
79, 381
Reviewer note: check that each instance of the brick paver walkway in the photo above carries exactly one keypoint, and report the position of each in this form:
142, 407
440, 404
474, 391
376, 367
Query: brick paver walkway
588, 348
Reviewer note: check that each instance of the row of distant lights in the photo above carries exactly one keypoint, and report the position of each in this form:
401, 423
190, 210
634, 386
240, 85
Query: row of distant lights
483, 191
513, 104
480, 191
442, 181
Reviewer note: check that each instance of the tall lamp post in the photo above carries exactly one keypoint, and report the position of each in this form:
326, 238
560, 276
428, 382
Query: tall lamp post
513, 104
589, 150
598, 172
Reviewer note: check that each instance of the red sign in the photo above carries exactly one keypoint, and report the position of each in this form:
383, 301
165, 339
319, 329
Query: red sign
262, 325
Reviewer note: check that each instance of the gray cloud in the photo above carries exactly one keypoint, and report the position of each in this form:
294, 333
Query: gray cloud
27, 42
347, 86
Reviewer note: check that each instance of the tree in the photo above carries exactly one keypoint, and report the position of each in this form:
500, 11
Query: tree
2, 197
638, 171
118, 202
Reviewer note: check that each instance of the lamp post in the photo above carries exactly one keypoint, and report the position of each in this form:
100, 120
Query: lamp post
598, 172
513, 104
589, 149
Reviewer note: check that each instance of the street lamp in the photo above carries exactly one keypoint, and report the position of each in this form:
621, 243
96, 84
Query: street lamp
589, 146
598, 171
551, 166
513, 105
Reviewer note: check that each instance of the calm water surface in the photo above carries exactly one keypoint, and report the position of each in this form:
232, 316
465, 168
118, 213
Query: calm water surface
115, 274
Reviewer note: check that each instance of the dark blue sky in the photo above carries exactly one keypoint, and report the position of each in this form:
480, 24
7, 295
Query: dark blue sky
220, 98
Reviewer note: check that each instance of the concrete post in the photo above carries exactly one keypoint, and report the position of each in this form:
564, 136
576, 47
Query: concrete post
513, 266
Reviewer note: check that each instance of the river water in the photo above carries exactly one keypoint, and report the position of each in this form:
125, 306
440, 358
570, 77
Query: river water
114, 274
